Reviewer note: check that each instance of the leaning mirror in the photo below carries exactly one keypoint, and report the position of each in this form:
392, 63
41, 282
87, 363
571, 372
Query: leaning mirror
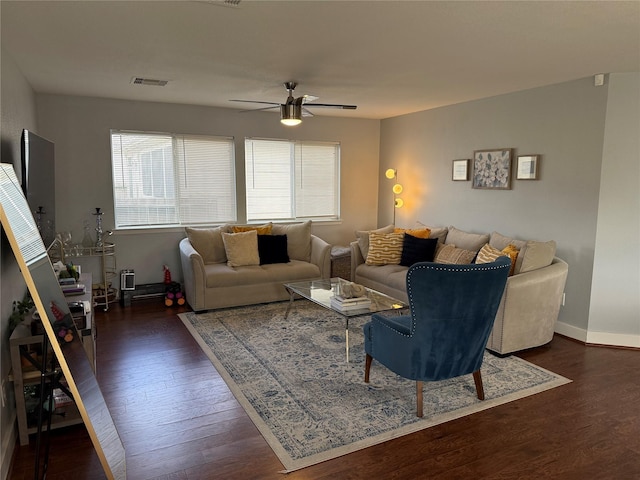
29, 250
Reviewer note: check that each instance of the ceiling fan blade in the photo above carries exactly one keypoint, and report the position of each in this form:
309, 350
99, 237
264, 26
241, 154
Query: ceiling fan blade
306, 113
260, 109
331, 105
256, 101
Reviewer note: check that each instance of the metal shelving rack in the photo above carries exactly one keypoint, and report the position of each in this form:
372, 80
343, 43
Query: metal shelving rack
104, 292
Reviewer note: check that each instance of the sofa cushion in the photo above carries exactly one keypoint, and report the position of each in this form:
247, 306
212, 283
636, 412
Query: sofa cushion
537, 255
499, 241
290, 272
393, 276
450, 254
241, 248
363, 238
272, 249
221, 275
298, 239
261, 229
466, 240
385, 248
208, 243
416, 250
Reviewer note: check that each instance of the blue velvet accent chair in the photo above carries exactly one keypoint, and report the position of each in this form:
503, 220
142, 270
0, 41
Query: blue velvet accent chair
452, 309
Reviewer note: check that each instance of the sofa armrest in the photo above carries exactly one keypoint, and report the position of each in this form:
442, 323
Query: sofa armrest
356, 258
529, 308
193, 275
321, 255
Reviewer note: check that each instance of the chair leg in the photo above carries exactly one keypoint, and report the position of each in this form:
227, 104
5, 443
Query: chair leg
477, 378
367, 367
419, 398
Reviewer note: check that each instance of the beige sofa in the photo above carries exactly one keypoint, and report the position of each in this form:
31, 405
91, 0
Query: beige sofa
531, 302
212, 279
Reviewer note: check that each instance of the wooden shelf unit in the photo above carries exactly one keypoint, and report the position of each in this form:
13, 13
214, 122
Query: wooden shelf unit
24, 374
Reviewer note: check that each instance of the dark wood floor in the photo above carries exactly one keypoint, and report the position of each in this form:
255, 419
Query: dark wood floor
178, 420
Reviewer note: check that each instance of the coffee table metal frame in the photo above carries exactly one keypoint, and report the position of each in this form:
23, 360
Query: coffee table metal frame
320, 291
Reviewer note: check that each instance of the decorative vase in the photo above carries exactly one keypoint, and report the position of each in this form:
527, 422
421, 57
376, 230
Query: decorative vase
98, 215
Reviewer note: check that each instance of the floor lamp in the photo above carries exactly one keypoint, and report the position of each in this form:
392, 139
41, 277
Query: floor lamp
392, 174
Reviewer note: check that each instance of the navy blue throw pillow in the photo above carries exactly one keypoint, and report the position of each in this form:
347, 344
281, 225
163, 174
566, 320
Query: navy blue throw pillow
272, 249
416, 250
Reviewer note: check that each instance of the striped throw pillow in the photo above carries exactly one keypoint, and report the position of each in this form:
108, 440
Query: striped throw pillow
454, 256
488, 254
385, 248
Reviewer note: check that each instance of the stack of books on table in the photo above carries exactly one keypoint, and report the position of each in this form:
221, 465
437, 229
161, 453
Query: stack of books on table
346, 304
73, 289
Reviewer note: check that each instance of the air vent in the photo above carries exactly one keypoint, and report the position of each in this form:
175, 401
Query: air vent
149, 81
223, 3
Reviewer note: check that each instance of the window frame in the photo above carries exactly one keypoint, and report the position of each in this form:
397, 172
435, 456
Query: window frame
294, 181
176, 186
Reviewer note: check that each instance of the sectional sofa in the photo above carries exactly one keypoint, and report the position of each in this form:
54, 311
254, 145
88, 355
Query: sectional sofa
531, 302
235, 265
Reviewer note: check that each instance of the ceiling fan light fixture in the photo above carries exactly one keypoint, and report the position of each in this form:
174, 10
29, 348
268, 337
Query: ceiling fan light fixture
291, 114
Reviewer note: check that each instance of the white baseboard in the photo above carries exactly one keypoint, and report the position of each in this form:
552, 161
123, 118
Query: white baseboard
571, 331
9, 437
598, 338
615, 339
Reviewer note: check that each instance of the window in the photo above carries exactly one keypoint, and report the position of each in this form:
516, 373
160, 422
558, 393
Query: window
167, 180
289, 180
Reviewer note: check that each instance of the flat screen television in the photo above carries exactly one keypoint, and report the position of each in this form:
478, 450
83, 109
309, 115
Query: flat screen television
38, 182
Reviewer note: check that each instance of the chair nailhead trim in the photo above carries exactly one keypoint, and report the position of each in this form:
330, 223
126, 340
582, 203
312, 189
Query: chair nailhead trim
442, 267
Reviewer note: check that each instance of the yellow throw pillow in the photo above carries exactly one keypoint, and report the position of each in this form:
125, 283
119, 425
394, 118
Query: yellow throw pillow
261, 229
414, 232
363, 238
513, 252
385, 248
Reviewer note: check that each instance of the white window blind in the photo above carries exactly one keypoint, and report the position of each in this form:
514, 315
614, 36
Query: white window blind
288, 180
166, 179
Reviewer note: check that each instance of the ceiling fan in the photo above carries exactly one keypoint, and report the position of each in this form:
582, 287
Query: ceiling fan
292, 111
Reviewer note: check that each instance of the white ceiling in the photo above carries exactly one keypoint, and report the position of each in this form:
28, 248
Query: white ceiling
387, 57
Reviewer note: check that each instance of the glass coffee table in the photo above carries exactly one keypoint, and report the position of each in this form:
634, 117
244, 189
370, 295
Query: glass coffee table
320, 292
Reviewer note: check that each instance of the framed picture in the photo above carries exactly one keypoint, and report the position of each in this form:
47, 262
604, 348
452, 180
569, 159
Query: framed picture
492, 168
460, 170
527, 167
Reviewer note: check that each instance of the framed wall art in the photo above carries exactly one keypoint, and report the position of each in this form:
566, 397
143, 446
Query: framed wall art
460, 170
492, 168
527, 168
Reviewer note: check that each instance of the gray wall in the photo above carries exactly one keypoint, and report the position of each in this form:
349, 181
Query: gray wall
615, 299
17, 111
563, 123
80, 126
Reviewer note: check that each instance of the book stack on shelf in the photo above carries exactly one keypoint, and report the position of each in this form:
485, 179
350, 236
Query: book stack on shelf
73, 289
348, 304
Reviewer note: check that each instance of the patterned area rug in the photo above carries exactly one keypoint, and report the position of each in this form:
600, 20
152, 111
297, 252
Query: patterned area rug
292, 378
